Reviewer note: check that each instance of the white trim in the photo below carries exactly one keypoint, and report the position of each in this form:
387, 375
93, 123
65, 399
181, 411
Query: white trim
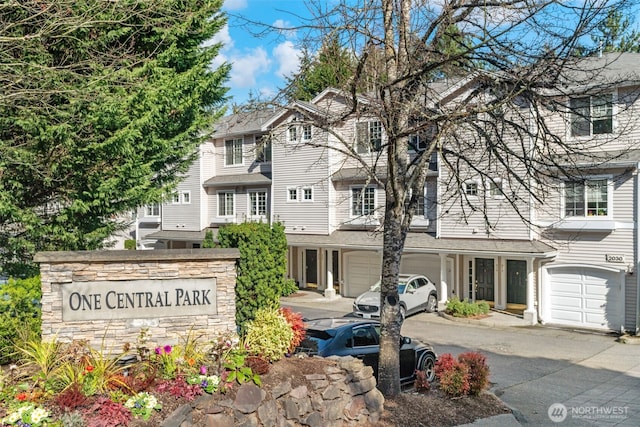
297, 193
234, 140
218, 194
304, 199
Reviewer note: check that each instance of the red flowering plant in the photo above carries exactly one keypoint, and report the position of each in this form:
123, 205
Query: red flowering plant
296, 322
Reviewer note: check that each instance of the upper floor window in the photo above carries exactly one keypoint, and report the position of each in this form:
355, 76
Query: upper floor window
258, 203
471, 188
292, 133
591, 115
153, 210
292, 194
306, 133
226, 203
185, 197
420, 206
233, 152
175, 198
263, 149
495, 188
586, 198
307, 194
363, 201
368, 137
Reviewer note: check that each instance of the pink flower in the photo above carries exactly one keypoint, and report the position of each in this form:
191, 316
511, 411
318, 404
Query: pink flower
203, 370
167, 349
158, 350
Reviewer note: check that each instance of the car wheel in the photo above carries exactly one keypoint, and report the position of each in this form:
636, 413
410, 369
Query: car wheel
428, 366
432, 303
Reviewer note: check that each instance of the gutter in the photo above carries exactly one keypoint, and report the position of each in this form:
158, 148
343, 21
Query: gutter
637, 246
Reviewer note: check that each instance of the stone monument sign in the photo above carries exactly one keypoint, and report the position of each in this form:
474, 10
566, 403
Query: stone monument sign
109, 297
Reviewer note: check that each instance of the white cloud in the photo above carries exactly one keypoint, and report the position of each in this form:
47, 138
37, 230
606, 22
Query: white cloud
247, 67
223, 37
285, 28
287, 57
235, 4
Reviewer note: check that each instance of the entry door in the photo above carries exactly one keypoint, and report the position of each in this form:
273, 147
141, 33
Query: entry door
311, 267
484, 279
516, 282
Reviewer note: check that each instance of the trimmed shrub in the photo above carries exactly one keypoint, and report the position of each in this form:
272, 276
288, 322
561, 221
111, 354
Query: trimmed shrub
208, 241
130, 244
466, 308
478, 371
468, 374
261, 269
269, 334
20, 315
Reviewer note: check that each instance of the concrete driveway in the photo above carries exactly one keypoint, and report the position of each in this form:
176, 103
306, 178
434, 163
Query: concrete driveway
548, 376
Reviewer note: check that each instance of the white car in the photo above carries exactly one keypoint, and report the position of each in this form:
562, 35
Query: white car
417, 293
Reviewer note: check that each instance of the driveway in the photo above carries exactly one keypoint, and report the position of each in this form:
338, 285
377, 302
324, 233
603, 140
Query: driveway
548, 376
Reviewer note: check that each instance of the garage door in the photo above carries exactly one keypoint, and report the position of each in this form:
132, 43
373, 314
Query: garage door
586, 297
361, 271
427, 265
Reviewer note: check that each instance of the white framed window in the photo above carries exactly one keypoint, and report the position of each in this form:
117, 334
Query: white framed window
263, 149
495, 188
292, 133
591, 115
307, 194
258, 203
590, 198
175, 198
421, 208
233, 152
292, 194
306, 133
226, 203
470, 188
153, 210
368, 137
185, 197
363, 201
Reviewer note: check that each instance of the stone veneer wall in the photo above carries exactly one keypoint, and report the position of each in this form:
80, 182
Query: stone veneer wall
58, 269
345, 395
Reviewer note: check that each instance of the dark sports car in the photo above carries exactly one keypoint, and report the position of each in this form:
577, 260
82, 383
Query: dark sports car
361, 338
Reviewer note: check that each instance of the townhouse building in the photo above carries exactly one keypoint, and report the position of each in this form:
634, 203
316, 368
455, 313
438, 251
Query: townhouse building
569, 258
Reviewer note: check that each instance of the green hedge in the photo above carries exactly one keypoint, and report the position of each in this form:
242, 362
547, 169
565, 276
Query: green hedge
20, 314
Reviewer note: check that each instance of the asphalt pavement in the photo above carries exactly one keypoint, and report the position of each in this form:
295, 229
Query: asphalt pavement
547, 376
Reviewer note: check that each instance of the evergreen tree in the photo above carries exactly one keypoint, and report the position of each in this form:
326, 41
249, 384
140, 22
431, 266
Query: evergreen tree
615, 34
102, 108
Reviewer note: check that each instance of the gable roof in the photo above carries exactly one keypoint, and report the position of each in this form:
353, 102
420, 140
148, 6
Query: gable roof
242, 123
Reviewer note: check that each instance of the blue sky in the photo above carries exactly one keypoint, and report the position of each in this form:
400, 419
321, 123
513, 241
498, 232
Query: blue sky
259, 63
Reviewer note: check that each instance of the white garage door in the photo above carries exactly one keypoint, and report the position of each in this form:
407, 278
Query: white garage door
427, 265
361, 271
586, 297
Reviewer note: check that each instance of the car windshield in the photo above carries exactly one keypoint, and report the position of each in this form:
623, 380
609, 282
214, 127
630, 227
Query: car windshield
376, 287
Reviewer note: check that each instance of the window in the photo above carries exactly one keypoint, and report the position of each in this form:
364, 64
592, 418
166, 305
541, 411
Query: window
368, 137
263, 150
153, 210
420, 206
292, 194
185, 197
306, 133
233, 152
175, 198
364, 336
590, 197
495, 188
258, 203
471, 188
226, 203
363, 201
307, 194
293, 134
591, 115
